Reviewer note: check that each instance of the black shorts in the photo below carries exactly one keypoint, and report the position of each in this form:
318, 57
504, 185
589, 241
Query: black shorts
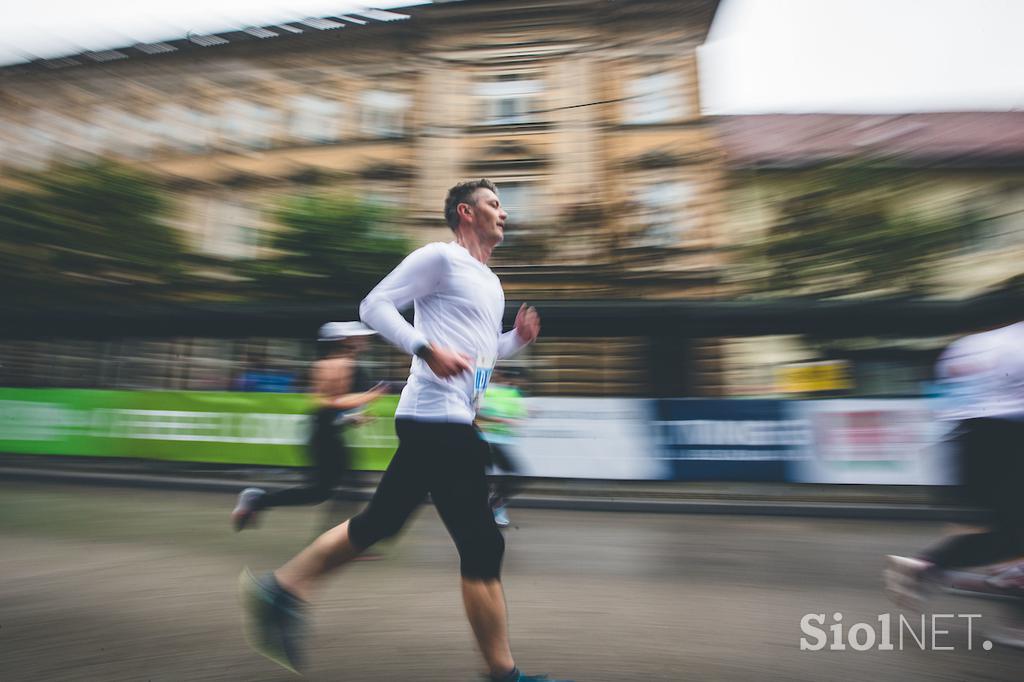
447, 461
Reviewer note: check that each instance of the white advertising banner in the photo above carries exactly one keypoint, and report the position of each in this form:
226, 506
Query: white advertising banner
606, 438
885, 442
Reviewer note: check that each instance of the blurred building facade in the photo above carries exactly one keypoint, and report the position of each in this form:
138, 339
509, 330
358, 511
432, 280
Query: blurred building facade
586, 113
966, 168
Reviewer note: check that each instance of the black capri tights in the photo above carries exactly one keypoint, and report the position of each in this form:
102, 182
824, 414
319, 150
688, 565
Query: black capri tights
447, 461
992, 472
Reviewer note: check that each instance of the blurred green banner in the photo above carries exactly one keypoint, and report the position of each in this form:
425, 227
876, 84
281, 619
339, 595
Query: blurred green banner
187, 426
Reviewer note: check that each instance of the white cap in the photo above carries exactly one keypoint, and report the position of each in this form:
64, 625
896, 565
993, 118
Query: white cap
337, 331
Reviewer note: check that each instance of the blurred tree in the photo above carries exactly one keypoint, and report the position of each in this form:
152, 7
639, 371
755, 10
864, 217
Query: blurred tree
87, 231
844, 232
329, 247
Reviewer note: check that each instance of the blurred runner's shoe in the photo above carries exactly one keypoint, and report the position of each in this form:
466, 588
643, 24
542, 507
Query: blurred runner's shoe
1007, 636
1010, 579
520, 677
905, 580
274, 624
501, 516
246, 508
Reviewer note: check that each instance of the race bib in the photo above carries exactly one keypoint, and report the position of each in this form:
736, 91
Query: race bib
481, 377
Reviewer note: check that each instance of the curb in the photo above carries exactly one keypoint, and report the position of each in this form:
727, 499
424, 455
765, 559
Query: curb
582, 502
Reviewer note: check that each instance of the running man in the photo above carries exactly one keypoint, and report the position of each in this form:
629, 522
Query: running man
983, 380
501, 411
455, 341
340, 392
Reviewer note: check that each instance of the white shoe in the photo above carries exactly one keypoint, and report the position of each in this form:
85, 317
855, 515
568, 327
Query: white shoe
245, 510
905, 581
501, 516
1010, 579
1012, 637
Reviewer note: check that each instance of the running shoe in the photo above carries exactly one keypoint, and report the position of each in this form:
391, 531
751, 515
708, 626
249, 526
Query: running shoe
1006, 635
246, 508
501, 516
531, 678
982, 584
905, 581
1010, 579
273, 620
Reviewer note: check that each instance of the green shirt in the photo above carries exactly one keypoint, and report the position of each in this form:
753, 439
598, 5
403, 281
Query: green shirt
501, 402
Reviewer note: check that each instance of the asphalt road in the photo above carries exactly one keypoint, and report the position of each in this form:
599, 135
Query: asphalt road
123, 584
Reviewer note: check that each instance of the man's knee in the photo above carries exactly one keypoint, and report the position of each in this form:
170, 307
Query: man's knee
366, 529
481, 557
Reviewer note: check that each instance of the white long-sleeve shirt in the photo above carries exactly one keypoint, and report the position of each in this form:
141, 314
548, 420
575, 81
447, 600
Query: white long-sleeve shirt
458, 304
982, 375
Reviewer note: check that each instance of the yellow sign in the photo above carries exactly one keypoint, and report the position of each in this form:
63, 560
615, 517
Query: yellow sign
813, 377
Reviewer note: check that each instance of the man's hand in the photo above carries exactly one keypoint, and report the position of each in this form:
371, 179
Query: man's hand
362, 418
445, 362
351, 401
378, 389
527, 323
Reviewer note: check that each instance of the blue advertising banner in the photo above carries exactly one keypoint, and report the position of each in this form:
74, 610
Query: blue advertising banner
728, 440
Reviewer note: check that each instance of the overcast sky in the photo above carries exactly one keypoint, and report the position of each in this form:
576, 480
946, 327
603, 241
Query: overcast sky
864, 55
761, 56
50, 28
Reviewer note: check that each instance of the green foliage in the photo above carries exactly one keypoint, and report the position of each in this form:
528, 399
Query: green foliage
330, 246
95, 233
842, 232
75, 232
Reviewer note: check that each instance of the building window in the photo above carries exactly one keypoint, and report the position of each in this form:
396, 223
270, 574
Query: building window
248, 124
655, 98
315, 119
102, 133
665, 212
184, 128
383, 113
26, 147
126, 134
231, 229
509, 100
63, 136
998, 220
519, 201
390, 196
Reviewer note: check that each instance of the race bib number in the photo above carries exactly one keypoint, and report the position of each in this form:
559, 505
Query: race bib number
481, 377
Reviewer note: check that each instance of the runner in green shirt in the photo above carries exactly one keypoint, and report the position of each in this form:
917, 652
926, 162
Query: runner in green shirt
501, 411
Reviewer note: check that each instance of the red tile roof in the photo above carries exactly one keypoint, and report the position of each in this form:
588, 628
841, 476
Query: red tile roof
962, 138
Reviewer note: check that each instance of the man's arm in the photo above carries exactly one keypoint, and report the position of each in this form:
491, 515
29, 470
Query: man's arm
525, 331
351, 401
332, 384
418, 275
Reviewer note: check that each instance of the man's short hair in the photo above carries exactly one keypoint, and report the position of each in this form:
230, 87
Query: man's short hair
461, 194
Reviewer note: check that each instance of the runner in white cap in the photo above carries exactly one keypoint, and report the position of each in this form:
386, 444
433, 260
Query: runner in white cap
340, 392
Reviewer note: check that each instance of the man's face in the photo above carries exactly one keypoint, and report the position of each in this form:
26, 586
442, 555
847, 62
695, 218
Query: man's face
488, 216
